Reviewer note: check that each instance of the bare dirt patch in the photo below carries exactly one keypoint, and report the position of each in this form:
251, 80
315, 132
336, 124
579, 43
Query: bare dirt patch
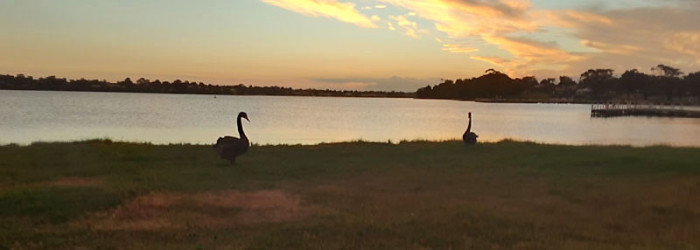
158, 211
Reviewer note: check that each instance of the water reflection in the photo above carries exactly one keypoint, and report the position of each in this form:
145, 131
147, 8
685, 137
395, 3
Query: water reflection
27, 116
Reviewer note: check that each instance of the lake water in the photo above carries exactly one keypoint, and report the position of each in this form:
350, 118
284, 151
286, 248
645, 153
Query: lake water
29, 116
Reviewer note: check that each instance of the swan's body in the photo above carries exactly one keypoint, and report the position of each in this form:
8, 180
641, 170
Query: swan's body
229, 147
469, 137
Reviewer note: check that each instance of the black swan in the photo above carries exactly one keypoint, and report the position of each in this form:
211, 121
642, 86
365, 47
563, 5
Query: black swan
468, 136
229, 147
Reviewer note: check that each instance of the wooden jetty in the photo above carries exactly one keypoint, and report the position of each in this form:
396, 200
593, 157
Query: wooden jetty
613, 110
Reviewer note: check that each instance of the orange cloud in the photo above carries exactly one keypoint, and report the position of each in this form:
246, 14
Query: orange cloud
619, 49
344, 12
512, 29
458, 48
588, 17
571, 18
501, 23
531, 55
640, 37
471, 18
410, 28
491, 59
685, 42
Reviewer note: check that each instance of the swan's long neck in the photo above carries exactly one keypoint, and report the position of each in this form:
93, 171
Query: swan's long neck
469, 128
240, 128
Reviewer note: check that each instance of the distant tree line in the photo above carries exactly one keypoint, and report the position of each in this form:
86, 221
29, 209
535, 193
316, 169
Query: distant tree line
22, 82
668, 85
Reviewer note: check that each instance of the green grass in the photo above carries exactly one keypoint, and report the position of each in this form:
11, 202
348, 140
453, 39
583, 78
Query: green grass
358, 195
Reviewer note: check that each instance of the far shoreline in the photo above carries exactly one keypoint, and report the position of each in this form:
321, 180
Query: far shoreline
348, 142
480, 100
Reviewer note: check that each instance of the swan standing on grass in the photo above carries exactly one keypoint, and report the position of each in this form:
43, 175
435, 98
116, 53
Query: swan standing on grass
469, 137
229, 147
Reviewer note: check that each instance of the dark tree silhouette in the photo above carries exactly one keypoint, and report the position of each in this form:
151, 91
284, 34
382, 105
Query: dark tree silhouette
595, 85
596, 75
633, 83
566, 81
22, 82
667, 71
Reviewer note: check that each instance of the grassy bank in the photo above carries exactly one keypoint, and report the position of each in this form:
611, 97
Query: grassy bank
416, 195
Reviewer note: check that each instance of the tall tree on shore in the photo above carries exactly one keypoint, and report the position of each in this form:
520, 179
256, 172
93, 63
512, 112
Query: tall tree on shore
667, 71
601, 82
692, 81
566, 81
669, 78
596, 75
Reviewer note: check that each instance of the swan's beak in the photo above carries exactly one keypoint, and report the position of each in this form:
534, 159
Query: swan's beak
246, 119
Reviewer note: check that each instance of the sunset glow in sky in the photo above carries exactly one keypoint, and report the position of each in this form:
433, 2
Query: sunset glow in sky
343, 44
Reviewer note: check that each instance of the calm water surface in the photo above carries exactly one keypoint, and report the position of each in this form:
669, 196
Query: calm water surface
28, 116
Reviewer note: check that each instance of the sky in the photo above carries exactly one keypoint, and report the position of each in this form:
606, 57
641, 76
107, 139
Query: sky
342, 44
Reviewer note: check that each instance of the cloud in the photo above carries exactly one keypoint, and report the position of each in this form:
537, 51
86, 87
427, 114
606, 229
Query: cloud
586, 17
687, 43
529, 55
504, 24
619, 36
463, 18
570, 18
380, 84
642, 37
458, 48
500, 23
344, 12
522, 39
618, 49
491, 59
379, 6
410, 28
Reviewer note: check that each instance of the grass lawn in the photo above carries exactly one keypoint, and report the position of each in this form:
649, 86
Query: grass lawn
414, 195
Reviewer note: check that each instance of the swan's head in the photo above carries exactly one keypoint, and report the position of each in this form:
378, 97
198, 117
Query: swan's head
243, 115
470, 115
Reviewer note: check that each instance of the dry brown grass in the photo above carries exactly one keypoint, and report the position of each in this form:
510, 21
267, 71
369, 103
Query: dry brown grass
625, 211
351, 196
158, 211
